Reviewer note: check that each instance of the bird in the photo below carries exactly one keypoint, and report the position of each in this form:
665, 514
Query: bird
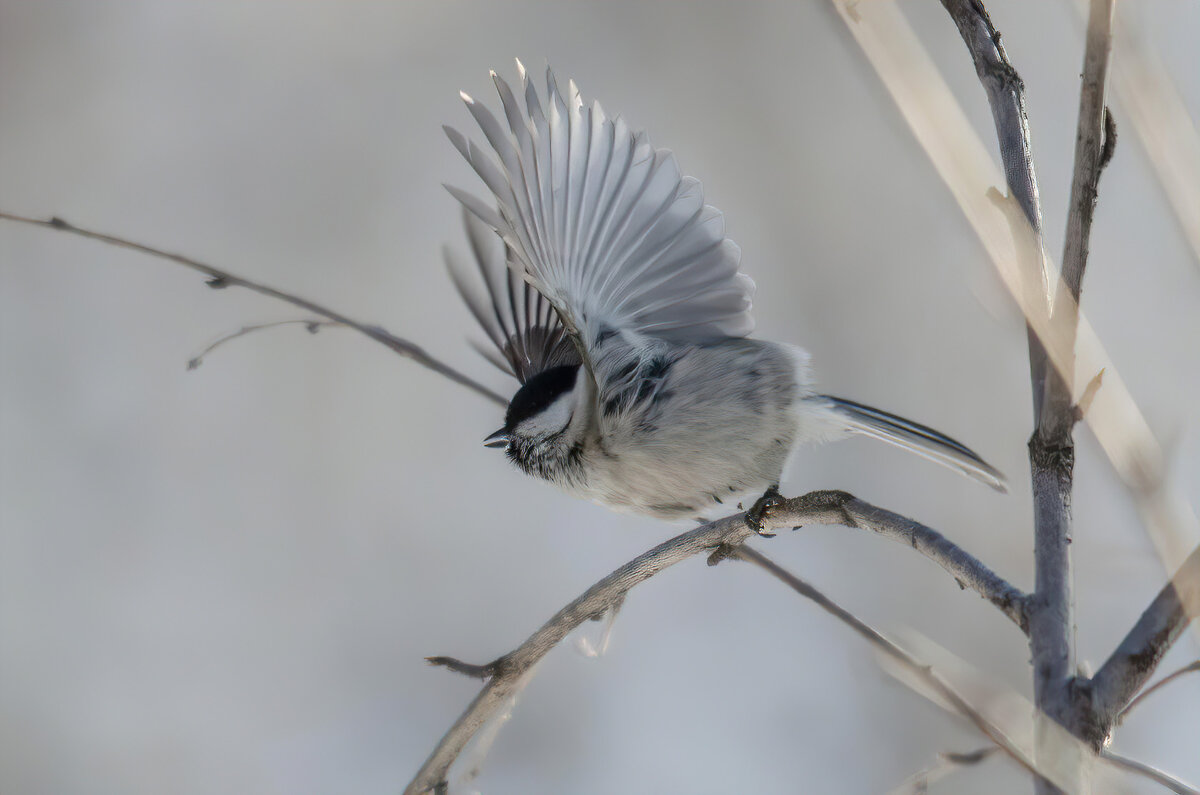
608, 288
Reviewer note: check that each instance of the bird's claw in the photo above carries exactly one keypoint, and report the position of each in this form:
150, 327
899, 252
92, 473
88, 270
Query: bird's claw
754, 517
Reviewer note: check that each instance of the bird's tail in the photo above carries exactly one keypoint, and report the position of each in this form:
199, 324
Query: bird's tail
919, 439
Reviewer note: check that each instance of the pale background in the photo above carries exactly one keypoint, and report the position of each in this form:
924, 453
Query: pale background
225, 581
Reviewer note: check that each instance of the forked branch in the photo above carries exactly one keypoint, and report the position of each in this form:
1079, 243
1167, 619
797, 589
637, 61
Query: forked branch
1051, 447
218, 278
1114, 686
723, 538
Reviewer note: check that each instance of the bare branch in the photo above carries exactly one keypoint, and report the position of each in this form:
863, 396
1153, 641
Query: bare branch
968, 571
946, 763
311, 326
219, 279
1129, 667
1060, 755
723, 536
1051, 448
1095, 138
508, 673
486, 671
1006, 96
601, 596
917, 668
960, 157
1190, 668
1152, 773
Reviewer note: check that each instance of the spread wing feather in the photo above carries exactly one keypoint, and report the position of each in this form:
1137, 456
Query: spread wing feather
521, 324
600, 222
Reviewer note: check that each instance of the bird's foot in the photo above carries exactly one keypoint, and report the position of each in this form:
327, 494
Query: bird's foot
754, 517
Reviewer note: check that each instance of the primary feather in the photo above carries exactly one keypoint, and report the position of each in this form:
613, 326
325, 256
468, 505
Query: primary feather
518, 320
602, 223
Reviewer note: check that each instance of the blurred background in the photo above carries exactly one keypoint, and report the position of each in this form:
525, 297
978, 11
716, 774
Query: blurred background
226, 580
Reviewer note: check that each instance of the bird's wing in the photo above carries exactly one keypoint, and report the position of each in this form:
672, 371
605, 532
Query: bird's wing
517, 319
603, 224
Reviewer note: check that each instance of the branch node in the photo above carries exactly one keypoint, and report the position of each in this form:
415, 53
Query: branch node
217, 282
833, 500
1086, 722
757, 515
722, 552
486, 671
59, 223
1187, 669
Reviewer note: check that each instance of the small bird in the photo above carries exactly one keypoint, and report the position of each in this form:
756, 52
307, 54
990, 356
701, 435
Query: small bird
612, 294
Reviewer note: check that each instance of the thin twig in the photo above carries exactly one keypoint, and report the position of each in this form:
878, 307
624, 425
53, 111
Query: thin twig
922, 671
1191, 667
1010, 713
1152, 773
219, 278
968, 571
723, 538
1113, 687
1095, 138
311, 326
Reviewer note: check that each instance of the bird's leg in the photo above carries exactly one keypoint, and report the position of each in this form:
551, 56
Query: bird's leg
754, 517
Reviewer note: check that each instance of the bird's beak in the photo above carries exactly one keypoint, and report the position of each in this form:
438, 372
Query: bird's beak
497, 439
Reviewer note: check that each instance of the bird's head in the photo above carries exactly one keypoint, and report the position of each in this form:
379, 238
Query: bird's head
538, 416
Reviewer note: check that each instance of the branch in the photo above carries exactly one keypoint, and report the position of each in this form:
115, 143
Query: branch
1006, 96
219, 278
1051, 622
962, 160
1152, 773
311, 326
507, 674
945, 689
1190, 668
967, 570
1129, 667
945, 764
722, 538
1095, 138
1051, 448
920, 670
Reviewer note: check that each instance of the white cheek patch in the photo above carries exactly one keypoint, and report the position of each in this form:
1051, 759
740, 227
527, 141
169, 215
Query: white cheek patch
550, 420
